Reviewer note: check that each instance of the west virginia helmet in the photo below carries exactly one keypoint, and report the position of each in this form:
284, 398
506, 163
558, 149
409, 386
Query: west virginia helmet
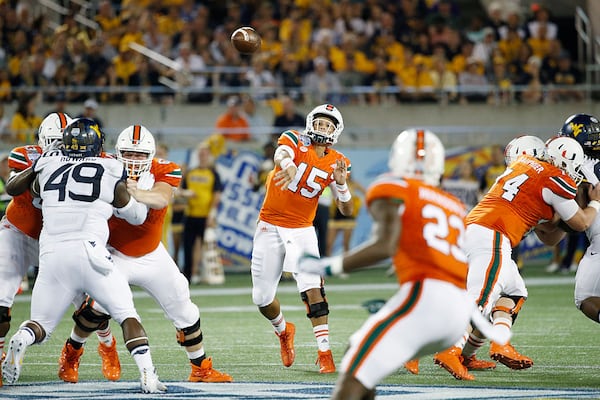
526, 144
418, 153
566, 153
82, 138
585, 129
51, 128
324, 124
136, 138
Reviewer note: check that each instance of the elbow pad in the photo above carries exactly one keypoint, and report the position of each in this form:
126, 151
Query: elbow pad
134, 212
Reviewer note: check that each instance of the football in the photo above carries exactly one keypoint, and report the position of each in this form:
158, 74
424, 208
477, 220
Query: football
246, 40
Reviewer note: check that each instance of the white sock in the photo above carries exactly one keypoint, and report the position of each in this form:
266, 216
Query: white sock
76, 338
503, 323
473, 344
2, 341
193, 355
143, 359
322, 334
105, 336
278, 323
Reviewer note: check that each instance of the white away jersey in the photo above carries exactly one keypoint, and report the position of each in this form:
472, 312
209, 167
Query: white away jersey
77, 196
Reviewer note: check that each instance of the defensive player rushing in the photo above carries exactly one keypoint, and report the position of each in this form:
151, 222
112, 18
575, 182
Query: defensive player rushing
139, 254
80, 191
585, 129
305, 164
20, 228
526, 196
420, 227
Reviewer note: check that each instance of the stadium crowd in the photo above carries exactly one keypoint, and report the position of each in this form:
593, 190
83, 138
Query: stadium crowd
335, 51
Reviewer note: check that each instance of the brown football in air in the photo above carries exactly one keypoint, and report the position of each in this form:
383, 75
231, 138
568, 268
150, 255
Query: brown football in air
246, 40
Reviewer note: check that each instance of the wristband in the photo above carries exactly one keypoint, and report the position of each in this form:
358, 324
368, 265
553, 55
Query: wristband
286, 162
343, 192
595, 204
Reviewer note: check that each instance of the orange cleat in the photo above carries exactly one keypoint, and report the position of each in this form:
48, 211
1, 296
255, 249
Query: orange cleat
412, 366
286, 341
68, 363
111, 367
451, 360
507, 355
325, 362
206, 373
474, 364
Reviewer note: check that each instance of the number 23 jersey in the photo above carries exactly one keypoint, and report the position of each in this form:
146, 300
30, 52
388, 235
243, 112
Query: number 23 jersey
296, 207
77, 196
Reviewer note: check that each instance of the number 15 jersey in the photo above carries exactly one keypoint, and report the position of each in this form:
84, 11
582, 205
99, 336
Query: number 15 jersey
77, 196
515, 203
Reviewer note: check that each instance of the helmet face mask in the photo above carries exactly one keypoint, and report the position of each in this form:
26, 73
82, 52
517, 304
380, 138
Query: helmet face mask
418, 154
136, 139
585, 129
526, 144
324, 124
82, 138
567, 154
51, 129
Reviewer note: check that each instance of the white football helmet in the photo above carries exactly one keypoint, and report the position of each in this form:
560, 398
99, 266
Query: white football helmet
136, 138
324, 124
526, 144
418, 153
51, 129
567, 154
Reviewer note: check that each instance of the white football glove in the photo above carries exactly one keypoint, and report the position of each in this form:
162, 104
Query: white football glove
587, 170
327, 266
145, 181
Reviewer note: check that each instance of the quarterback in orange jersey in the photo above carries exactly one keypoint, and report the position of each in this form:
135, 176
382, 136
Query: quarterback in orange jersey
527, 196
20, 228
305, 164
420, 227
140, 255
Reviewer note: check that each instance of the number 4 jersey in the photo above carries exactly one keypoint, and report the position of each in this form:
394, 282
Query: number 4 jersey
296, 206
77, 196
515, 203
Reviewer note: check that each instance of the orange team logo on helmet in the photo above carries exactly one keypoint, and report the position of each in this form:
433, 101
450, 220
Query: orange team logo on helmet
329, 107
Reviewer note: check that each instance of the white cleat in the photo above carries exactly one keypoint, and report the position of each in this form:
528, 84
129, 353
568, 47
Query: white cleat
11, 366
150, 382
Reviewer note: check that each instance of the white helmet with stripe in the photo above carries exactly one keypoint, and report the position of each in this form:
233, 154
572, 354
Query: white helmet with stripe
51, 129
138, 139
567, 154
418, 153
324, 124
526, 144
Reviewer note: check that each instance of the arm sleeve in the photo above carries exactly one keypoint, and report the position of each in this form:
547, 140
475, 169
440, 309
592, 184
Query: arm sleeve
134, 212
566, 208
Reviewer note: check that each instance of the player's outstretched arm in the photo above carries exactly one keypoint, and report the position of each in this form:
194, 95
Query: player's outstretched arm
20, 182
127, 207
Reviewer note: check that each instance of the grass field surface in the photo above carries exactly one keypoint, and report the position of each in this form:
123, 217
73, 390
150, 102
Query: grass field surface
562, 342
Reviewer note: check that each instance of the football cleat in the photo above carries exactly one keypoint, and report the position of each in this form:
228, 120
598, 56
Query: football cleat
507, 355
150, 383
325, 362
111, 367
474, 364
412, 366
68, 363
206, 373
451, 360
286, 342
13, 362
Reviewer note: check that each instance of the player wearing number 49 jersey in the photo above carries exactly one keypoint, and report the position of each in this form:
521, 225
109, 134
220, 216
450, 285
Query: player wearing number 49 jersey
526, 196
139, 254
20, 228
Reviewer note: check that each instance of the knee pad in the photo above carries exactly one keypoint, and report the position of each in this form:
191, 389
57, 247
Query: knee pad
88, 319
316, 310
190, 336
514, 312
4, 314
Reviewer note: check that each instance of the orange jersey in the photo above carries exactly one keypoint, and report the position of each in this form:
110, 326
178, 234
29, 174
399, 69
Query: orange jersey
296, 206
432, 227
20, 211
137, 240
514, 204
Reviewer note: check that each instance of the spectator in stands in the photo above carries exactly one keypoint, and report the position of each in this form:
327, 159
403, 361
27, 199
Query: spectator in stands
259, 127
232, 124
90, 110
289, 76
261, 80
5, 134
126, 71
288, 119
541, 17
25, 122
444, 80
6, 94
473, 84
4, 175
321, 85
532, 92
60, 103
192, 73
565, 79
